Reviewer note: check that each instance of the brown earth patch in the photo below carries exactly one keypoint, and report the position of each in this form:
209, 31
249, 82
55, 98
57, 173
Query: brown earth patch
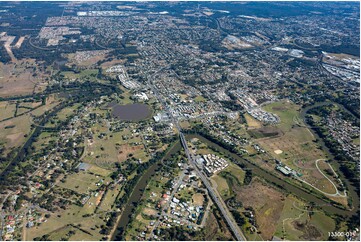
14, 137
267, 202
150, 211
279, 108
125, 150
265, 132
310, 232
198, 199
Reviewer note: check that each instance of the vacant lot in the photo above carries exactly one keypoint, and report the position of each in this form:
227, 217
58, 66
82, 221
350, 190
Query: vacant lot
296, 223
7, 110
57, 225
80, 182
298, 148
252, 122
17, 78
267, 203
108, 147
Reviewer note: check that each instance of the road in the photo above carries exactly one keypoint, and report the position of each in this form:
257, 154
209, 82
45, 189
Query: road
211, 191
216, 199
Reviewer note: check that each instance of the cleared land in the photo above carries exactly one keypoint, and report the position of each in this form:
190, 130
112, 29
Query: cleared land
18, 78
7, 110
267, 203
105, 150
252, 122
298, 223
298, 146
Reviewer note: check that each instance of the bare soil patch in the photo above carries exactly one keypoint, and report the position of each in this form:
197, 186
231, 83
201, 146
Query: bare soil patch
279, 108
150, 211
125, 150
265, 132
15, 137
198, 199
267, 202
310, 232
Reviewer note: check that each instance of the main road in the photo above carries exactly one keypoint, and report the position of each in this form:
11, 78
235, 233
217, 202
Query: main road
214, 195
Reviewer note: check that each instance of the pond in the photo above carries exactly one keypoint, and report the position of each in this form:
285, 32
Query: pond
131, 112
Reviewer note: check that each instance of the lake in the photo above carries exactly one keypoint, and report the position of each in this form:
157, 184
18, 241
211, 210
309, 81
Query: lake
131, 112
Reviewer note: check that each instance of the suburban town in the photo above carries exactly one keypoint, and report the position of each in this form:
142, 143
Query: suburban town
197, 121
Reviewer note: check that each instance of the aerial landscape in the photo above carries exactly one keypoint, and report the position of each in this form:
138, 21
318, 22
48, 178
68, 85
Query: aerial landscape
160, 121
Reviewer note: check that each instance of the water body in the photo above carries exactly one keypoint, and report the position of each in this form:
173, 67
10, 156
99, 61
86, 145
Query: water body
131, 112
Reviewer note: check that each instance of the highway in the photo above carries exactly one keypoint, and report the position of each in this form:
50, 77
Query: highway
217, 200
214, 195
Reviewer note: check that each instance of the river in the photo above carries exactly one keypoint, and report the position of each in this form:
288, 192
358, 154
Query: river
138, 190
137, 193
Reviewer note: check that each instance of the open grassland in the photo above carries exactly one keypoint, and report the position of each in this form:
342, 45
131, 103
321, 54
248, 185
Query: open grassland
200, 99
228, 180
221, 185
50, 102
297, 223
109, 198
114, 147
286, 110
111, 63
252, 122
44, 139
7, 110
236, 172
267, 203
80, 219
66, 112
139, 223
18, 78
69, 233
99, 171
81, 182
59, 221
62, 115
125, 96
88, 62
296, 148
13, 130
83, 75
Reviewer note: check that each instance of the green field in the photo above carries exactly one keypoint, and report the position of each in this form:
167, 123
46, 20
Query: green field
56, 225
296, 146
286, 110
222, 186
315, 227
87, 74
113, 147
81, 182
